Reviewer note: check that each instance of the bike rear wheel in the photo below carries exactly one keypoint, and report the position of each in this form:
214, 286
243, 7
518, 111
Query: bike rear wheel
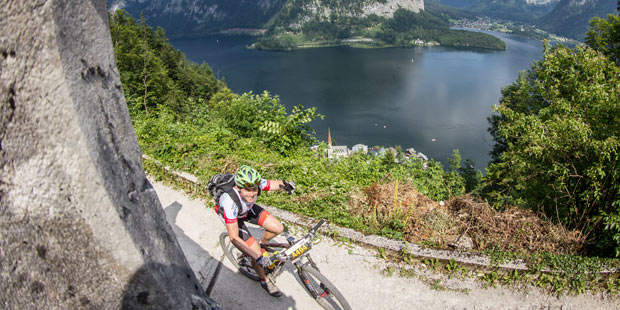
241, 261
323, 291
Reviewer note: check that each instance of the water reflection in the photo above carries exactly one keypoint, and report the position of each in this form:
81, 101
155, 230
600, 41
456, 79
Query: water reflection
395, 96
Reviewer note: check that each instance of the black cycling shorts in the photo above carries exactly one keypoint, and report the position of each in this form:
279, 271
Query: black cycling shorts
256, 215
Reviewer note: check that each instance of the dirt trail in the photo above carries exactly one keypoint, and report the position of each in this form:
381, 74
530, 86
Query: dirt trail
356, 271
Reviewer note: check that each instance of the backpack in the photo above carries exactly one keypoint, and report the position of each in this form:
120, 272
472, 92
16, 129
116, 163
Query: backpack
223, 183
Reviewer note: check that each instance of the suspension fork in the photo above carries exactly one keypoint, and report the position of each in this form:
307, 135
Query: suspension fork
298, 265
312, 262
303, 278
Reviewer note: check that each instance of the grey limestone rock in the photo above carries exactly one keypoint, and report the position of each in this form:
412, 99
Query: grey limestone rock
80, 225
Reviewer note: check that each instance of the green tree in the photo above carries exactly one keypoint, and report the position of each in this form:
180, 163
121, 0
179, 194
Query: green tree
153, 78
265, 118
604, 36
153, 73
388, 160
558, 127
452, 179
471, 176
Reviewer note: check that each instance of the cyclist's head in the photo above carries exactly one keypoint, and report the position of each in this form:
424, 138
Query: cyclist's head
247, 177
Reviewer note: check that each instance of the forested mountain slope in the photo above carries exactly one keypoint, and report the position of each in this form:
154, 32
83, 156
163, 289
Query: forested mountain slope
313, 23
567, 18
526, 11
188, 17
570, 17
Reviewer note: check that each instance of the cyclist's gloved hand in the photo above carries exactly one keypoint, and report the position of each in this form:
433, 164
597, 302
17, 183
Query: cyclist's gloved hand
263, 261
288, 187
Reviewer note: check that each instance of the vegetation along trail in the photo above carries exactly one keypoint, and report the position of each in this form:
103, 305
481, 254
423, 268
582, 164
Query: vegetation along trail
550, 195
366, 280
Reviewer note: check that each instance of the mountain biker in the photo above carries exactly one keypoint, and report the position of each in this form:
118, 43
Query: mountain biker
248, 184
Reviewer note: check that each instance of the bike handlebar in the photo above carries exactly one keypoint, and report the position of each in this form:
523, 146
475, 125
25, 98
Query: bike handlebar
316, 227
291, 241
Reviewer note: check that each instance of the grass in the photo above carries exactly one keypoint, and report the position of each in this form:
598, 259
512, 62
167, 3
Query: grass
558, 271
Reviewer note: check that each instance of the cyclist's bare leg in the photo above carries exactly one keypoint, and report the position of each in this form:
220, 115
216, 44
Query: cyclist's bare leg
272, 227
260, 271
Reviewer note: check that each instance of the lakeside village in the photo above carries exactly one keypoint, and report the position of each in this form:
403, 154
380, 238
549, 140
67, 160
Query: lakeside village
488, 24
339, 151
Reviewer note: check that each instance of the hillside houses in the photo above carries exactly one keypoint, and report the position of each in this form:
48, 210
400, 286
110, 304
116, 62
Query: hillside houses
339, 151
362, 148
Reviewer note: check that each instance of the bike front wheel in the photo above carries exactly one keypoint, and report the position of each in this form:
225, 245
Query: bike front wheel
323, 291
241, 261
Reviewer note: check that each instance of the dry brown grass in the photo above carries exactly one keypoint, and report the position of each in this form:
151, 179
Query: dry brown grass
513, 229
424, 220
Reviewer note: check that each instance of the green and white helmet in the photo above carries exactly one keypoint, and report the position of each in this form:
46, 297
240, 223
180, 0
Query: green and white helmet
246, 177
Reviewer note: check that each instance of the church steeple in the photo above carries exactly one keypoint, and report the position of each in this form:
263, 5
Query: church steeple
329, 138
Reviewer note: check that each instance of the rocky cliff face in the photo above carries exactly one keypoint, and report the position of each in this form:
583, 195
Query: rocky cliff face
387, 8
80, 225
325, 10
187, 17
296, 13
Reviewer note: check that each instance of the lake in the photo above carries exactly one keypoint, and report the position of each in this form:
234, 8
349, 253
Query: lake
433, 99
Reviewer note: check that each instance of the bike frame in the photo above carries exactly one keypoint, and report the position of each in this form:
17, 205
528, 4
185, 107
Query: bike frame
298, 253
297, 261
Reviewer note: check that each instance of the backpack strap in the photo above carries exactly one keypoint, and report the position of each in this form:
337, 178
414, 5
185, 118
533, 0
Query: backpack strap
233, 195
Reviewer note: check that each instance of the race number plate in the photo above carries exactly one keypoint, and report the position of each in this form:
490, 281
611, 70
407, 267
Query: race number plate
297, 249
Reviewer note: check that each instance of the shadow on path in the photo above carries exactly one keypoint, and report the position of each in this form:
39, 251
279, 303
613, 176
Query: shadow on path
231, 290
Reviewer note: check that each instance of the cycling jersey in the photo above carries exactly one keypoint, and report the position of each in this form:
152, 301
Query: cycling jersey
229, 211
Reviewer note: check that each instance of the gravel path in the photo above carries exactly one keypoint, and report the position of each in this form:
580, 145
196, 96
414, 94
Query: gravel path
356, 272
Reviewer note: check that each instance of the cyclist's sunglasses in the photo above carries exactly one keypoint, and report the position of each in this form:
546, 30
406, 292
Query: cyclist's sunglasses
250, 185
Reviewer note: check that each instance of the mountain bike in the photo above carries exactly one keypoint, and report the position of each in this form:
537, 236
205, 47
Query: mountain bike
298, 253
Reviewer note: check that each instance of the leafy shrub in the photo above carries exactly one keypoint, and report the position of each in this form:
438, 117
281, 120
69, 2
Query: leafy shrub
264, 118
558, 146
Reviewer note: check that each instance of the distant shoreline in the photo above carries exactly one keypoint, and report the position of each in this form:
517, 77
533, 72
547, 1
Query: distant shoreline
243, 31
254, 32
355, 43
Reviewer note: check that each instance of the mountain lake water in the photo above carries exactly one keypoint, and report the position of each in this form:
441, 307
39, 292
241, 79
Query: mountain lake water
433, 99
